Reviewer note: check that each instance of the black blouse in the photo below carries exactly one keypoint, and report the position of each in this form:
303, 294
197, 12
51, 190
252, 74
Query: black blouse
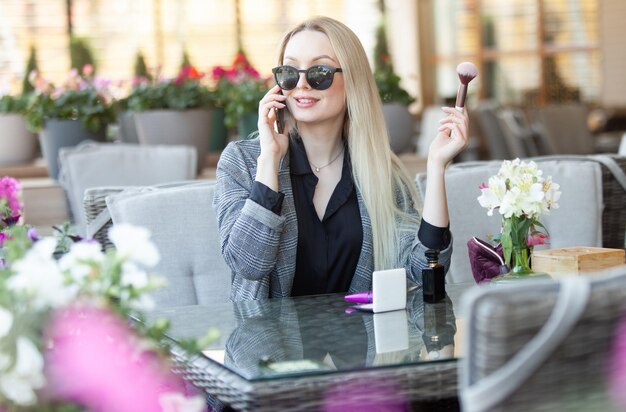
328, 250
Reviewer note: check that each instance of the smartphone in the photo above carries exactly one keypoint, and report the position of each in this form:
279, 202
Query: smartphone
280, 119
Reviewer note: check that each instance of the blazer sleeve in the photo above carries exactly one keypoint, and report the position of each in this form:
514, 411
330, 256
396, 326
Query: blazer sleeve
249, 233
417, 250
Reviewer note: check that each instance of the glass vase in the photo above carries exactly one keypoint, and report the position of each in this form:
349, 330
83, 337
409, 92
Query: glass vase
520, 263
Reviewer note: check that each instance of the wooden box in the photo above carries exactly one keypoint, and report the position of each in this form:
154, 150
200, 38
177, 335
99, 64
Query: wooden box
576, 260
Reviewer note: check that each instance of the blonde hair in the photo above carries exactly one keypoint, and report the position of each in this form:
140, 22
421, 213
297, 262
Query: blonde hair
376, 170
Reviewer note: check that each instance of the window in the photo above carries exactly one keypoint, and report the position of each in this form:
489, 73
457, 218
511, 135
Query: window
529, 52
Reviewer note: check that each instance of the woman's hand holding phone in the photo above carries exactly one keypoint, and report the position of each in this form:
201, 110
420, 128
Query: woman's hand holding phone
273, 144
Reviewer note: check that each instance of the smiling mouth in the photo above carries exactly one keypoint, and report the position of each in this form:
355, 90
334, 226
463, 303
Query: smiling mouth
305, 100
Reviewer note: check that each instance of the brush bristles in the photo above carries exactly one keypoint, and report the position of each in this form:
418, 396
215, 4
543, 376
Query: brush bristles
466, 71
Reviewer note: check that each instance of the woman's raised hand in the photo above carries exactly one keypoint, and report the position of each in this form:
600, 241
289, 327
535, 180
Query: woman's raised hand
273, 144
452, 138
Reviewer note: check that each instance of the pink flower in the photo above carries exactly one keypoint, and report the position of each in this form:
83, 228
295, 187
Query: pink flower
95, 360
537, 238
9, 194
218, 72
88, 70
483, 185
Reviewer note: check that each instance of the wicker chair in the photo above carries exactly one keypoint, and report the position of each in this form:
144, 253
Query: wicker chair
107, 164
541, 345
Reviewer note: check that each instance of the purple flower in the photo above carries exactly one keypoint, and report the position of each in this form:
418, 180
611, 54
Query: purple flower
11, 220
32, 234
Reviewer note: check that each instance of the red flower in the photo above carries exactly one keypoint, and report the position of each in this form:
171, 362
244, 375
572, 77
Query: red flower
188, 73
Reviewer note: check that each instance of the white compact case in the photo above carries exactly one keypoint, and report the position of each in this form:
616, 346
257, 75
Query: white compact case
388, 291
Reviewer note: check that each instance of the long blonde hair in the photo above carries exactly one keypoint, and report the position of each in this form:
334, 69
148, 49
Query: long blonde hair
376, 170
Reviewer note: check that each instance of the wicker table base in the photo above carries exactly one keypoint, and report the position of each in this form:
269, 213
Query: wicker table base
373, 387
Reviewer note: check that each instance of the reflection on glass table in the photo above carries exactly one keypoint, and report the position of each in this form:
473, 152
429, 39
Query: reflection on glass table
311, 335
311, 352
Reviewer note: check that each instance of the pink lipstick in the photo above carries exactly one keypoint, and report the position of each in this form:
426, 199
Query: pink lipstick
361, 297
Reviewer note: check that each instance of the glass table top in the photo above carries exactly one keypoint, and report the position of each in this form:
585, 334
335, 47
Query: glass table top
276, 338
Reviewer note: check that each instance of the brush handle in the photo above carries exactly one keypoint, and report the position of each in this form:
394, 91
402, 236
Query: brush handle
461, 94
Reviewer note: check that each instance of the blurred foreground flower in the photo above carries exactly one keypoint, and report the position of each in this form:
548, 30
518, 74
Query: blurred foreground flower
65, 336
96, 361
10, 204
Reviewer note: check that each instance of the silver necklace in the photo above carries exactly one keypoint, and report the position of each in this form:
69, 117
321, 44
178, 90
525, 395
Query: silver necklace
317, 169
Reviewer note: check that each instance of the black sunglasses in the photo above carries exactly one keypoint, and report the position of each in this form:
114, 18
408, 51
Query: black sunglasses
319, 77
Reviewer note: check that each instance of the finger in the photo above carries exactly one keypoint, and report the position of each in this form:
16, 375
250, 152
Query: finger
458, 119
454, 130
445, 130
266, 109
460, 133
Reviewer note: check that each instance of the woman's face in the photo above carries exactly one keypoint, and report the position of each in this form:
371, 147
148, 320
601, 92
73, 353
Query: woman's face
307, 105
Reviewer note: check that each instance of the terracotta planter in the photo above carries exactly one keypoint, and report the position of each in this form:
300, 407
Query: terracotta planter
57, 134
17, 143
176, 127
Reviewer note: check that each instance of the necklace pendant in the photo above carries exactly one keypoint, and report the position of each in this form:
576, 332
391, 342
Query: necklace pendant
317, 169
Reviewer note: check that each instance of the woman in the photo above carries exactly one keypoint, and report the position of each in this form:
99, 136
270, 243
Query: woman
318, 208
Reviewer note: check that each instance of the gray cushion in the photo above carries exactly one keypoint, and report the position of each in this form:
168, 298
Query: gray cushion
184, 229
108, 164
577, 221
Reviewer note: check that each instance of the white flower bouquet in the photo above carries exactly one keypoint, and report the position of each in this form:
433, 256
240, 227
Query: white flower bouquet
520, 193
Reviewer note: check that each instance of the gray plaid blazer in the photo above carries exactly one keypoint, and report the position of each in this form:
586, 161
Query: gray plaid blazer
260, 246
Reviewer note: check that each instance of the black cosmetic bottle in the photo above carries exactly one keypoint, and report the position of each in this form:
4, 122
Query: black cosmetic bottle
433, 278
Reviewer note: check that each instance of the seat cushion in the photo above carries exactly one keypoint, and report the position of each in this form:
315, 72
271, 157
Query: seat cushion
184, 229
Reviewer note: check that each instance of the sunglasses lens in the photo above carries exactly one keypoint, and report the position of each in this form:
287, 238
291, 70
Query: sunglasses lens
286, 77
319, 77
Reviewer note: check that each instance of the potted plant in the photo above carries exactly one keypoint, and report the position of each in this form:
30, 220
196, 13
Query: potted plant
127, 132
174, 111
79, 109
19, 145
238, 89
395, 99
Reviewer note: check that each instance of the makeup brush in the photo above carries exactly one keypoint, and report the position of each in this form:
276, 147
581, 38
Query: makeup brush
466, 71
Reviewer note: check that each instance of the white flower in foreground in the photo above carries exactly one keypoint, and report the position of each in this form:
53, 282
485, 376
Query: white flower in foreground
176, 402
38, 275
79, 261
143, 303
133, 243
133, 276
20, 383
6, 321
